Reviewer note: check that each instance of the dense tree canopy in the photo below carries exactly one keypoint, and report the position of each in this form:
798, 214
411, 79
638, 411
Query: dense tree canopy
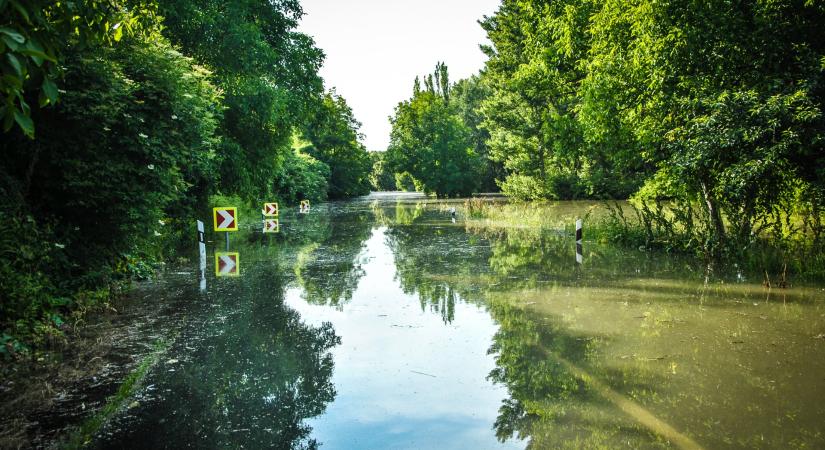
717, 107
147, 109
431, 142
333, 132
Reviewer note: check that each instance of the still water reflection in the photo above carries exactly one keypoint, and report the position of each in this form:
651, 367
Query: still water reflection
380, 323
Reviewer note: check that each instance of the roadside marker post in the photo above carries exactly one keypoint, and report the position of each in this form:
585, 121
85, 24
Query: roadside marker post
202, 253
579, 257
227, 264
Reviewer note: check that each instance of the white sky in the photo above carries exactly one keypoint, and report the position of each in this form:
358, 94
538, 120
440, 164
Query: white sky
375, 48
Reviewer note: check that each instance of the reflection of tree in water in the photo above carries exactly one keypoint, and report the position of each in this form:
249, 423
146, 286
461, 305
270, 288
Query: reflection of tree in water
433, 261
250, 374
549, 403
329, 269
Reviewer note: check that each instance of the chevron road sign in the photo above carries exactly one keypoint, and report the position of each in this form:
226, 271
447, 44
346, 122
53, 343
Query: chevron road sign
270, 209
271, 226
225, 218
227, 264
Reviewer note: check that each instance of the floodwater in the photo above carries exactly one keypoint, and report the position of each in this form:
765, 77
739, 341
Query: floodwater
380, 323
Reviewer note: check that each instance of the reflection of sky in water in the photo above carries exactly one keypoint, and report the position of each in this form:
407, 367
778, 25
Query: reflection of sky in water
405, 379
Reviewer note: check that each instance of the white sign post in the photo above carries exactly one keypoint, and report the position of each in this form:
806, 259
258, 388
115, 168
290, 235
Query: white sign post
202, 252
579, 257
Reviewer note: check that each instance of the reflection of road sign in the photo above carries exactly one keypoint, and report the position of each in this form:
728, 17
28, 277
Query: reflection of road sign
227, 264
271, 226
225, 219
270, 209
304, 207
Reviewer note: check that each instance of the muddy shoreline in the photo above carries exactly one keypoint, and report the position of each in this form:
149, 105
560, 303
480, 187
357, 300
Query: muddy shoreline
43, 401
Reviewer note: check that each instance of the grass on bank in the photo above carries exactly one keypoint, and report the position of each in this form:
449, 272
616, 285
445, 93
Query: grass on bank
785, 243
86, 431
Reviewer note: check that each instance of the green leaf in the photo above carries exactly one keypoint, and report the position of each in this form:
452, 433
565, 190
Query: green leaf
34, 50
11, 43
50, 89
8, 120
25, 123
15, 64
14, 82
13, 34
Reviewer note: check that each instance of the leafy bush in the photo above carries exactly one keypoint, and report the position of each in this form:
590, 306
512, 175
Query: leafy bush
130, 145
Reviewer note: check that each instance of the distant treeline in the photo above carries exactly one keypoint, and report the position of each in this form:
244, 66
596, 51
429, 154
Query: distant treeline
715, 107
121, 119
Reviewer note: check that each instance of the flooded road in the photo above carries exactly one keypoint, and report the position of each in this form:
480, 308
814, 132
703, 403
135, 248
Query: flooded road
379, 323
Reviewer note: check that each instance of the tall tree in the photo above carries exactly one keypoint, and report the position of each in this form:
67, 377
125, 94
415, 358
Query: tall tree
431, 143
333, 132
268, 72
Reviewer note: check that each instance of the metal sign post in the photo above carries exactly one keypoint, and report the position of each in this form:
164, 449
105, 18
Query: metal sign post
225, 219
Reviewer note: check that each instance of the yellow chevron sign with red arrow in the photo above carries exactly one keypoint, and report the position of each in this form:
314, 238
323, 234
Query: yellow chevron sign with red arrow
225, 218
270, 209
227, 264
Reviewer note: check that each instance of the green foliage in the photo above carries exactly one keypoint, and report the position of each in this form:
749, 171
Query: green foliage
268, 73
130, 145
333, 132
381, 177
405, 182
714, 105
301, 177
430, 141
35, 33
466, 97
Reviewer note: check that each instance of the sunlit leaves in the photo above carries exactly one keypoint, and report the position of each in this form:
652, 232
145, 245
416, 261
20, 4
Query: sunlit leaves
34, 33
429, 141
592, 97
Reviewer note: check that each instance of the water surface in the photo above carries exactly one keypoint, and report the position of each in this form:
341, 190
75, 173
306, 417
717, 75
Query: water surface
381, 323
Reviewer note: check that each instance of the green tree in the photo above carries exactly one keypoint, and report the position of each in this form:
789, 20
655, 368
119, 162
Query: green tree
333, 132
269, 75
381, 177
467, 96
430, 141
